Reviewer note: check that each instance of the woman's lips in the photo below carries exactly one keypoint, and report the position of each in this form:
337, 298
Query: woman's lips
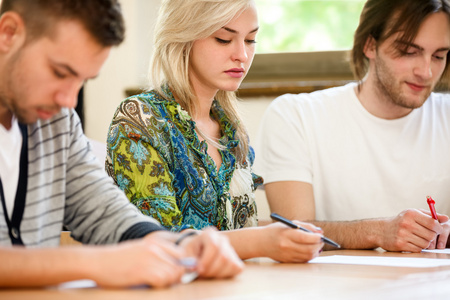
235, 72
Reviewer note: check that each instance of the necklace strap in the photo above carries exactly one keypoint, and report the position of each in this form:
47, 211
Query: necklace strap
19, 203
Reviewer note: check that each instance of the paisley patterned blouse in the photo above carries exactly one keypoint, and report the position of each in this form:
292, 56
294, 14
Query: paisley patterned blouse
155, 156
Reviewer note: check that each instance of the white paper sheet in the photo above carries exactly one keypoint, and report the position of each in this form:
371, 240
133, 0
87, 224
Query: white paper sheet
444, 251
413, 262
77, 284
86, 283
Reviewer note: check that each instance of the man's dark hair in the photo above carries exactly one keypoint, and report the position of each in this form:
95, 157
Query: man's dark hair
381, 19
102, 18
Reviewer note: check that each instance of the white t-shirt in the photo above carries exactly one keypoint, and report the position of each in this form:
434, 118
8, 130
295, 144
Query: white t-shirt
11, 144
360, 166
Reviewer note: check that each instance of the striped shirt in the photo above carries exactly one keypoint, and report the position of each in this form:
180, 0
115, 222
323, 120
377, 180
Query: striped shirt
68, 186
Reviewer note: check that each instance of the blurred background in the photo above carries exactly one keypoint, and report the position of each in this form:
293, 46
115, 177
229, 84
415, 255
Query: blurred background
299, 42
302, 46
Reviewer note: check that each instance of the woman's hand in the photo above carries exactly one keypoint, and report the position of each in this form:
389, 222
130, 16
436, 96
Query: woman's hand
286, 244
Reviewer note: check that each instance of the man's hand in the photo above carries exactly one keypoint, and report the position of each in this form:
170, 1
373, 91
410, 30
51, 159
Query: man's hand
216, 258
442, 238
412, 230
151, 261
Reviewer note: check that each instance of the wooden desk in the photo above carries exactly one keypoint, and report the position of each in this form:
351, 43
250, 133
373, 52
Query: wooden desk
264, 279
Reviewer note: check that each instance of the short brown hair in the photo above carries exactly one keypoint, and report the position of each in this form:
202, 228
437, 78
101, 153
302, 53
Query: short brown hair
102, 18
380, 19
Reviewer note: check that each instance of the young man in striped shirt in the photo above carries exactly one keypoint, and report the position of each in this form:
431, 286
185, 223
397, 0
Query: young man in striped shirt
49, 175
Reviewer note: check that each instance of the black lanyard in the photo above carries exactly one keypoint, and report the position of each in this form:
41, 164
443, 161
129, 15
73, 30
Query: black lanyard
19, 203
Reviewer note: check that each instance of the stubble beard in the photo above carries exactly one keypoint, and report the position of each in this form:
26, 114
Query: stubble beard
11, 94
389, 88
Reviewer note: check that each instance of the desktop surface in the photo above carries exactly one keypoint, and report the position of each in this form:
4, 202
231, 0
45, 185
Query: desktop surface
266, 279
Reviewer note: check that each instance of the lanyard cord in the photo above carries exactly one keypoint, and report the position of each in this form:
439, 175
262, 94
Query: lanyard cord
19, 203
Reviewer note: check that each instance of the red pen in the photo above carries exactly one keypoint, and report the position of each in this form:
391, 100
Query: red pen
431, 203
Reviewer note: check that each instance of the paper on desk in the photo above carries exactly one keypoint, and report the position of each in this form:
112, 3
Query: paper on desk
382, 261
444, 251
86, 283
77, 284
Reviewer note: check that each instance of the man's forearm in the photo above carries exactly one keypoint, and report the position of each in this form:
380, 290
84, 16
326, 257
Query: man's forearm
42, 267
360, 234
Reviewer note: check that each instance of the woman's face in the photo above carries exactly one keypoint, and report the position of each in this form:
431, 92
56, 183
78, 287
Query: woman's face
221, 61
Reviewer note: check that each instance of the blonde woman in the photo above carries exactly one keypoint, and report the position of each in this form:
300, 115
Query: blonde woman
180, 151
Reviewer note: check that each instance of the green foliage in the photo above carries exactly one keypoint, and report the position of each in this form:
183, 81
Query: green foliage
307, 25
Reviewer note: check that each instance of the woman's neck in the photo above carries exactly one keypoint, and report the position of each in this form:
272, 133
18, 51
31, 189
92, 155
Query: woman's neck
204, 100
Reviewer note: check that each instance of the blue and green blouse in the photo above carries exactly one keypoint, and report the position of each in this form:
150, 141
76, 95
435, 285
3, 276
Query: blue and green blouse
155, 156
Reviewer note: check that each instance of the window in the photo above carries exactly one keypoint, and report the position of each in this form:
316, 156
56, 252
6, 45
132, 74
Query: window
307, 25
303, 45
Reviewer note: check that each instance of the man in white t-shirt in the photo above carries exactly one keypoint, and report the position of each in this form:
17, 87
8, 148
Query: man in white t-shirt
360, 160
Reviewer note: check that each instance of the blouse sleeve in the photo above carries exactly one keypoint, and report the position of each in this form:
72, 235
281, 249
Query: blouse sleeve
141, 172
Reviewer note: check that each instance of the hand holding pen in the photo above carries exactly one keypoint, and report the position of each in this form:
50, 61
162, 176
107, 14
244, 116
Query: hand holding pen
293, 225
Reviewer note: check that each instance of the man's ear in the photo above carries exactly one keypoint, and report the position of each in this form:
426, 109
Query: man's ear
370, 48
12, 31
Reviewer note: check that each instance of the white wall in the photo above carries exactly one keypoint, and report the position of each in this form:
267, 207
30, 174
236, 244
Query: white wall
127, 67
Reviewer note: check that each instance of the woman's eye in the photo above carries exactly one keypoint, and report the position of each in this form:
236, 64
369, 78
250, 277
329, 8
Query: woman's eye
221, 41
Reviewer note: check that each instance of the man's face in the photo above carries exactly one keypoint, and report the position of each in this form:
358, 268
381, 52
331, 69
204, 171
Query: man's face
46, 75
406, 78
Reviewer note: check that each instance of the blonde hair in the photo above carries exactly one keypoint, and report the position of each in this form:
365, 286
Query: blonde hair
179, 24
